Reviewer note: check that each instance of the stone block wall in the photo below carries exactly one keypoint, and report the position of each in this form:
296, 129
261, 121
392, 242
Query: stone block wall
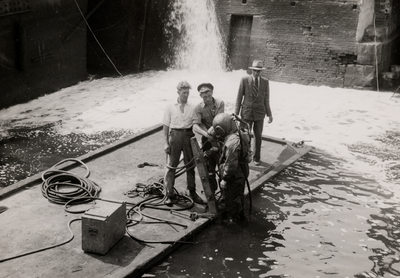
304, 42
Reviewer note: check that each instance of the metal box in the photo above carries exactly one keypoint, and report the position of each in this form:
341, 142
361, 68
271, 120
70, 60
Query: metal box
102, 226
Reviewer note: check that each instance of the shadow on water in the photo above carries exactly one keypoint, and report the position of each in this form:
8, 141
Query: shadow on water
315, 219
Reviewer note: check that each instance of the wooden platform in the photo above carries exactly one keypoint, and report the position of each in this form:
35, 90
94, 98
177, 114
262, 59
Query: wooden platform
32, 222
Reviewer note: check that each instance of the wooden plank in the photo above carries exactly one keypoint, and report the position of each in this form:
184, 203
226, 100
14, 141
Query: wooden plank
203, 173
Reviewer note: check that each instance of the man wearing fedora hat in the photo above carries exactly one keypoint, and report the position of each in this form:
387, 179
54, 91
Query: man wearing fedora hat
252, 103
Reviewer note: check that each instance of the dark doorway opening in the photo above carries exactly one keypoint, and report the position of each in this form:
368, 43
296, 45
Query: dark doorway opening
239, 41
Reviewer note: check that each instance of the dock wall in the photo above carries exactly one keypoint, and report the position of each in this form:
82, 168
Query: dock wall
316, 42
42, 48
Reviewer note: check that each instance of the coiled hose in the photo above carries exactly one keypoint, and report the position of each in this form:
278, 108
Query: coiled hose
60, 187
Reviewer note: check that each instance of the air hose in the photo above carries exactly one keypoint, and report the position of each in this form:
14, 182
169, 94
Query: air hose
56, 187
45, 248
57, 184
242, 164
156, 202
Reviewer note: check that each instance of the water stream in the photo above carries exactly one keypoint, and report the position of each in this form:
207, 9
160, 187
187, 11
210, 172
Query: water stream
193, 34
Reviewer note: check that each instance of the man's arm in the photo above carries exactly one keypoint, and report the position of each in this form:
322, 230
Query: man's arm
200, 129
198, 126
267, 103
167, 148
221, 108
166, 123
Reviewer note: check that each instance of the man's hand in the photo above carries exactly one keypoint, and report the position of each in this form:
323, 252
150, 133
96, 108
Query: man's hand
223, 184
270, 119
210, 137
210, 134
167, 148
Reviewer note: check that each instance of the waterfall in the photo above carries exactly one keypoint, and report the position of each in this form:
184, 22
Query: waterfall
193, 36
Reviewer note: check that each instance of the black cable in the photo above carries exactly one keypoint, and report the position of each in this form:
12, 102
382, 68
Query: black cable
44, 248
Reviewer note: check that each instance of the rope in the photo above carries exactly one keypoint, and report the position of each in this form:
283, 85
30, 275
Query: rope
91, 31
103, 50
376, 56
183, 166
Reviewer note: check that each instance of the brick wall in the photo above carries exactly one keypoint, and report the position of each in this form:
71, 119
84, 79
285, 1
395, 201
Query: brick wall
304, 42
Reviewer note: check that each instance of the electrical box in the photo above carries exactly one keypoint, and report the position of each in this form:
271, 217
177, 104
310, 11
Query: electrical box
102, 226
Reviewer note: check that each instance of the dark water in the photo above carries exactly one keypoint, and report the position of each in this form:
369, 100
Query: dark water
316, 219
28, 151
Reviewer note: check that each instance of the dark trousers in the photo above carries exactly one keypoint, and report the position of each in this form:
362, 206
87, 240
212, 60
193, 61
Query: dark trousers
179, 141
234, 192
257, 127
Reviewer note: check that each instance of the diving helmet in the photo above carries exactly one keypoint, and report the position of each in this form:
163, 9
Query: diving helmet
223, 125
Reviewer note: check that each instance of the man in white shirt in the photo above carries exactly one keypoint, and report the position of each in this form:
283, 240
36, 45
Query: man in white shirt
177, 128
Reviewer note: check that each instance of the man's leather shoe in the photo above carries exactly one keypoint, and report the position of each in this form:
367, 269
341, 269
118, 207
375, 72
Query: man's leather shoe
196, 198
170, 200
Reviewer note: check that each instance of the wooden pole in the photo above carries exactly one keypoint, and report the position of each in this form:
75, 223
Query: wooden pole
203, 173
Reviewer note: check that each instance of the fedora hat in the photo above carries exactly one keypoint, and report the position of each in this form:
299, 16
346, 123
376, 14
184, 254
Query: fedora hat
257, 65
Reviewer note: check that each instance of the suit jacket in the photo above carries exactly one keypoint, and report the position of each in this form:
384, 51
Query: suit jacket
253, 107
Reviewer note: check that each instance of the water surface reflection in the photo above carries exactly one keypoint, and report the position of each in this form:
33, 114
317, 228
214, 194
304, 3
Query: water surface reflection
317, 218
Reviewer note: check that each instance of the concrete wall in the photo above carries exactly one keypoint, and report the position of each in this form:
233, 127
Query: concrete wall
38, 53
125, 36
311, 42
114, 41
45, 45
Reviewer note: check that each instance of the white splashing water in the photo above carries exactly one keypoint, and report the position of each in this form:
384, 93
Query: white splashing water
193, 34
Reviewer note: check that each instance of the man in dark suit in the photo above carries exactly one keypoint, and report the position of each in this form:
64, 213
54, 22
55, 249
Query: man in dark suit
252, 103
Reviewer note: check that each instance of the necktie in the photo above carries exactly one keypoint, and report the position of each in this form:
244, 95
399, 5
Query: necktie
255, 87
